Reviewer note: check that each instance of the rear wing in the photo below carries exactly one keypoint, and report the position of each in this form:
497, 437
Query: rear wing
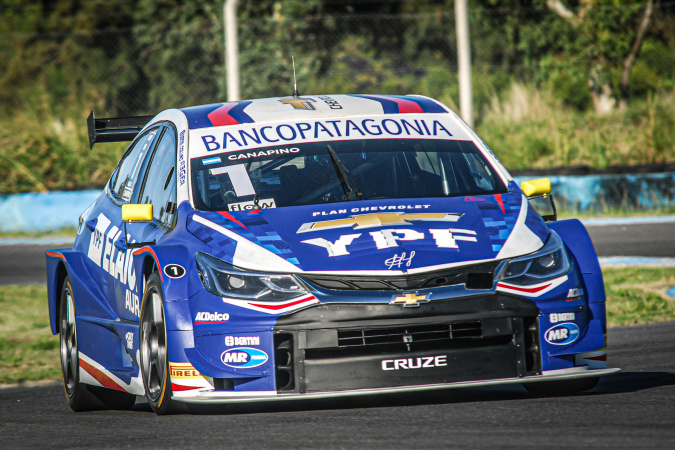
114, 129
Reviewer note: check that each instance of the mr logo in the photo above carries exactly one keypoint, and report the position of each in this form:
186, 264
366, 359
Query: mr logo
243, 357
562, 334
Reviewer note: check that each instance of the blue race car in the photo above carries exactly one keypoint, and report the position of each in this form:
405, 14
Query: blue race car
314, 246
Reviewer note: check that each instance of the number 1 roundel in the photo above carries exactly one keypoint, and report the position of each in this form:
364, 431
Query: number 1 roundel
174, 271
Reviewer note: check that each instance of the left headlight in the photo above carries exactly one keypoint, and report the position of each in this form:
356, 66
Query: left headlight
551, 261
225, 280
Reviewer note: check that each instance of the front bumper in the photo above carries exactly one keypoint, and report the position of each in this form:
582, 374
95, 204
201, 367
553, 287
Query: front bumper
336, 349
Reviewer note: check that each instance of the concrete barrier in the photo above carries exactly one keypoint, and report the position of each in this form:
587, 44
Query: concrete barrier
41, 212
598, 193
50, 211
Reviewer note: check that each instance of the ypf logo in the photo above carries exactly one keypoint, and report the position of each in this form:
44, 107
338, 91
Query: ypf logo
562, 334
299, 102
243, 357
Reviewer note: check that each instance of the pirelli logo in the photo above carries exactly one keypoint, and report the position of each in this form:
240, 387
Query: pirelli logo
183, 371
361, 221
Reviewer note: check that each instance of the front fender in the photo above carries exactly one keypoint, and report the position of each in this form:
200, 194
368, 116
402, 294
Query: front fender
178, 273
576, 238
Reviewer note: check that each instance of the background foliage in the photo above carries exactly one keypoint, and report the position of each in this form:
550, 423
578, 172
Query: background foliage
531, 72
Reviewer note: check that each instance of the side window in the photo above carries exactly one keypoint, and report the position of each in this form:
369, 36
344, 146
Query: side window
129, 169
160, 182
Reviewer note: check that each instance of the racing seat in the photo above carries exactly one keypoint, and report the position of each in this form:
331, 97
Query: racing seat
291, 180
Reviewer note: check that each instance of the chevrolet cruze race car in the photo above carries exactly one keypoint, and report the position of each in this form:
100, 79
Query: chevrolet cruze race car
314, 246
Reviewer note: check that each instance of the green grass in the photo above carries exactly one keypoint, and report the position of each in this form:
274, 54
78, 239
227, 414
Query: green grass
29, 352
637, 295
529, 129
69, 232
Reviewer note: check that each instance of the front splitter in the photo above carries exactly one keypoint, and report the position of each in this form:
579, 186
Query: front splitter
218, 397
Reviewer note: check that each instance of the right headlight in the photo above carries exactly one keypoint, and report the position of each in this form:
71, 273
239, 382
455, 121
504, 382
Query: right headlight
225, 280
551, 261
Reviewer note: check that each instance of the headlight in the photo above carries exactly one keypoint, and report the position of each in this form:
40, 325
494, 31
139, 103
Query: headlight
549, 262
225, 280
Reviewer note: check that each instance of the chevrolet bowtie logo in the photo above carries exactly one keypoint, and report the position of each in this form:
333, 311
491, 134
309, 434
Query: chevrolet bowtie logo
299, 103
378, 220
410, 299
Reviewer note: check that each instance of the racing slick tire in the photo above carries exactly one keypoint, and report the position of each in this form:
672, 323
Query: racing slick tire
551, 388
80, 396
154, 350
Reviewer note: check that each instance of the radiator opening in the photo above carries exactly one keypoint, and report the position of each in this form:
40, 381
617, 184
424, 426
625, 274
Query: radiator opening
283, 362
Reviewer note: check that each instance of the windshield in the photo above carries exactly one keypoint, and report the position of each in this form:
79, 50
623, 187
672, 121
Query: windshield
313, 173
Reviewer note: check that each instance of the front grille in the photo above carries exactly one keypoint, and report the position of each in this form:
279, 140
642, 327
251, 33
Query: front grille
477, 276
409, 334
354, 343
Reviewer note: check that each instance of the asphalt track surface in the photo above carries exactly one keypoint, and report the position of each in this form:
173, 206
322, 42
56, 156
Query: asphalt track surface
632, 409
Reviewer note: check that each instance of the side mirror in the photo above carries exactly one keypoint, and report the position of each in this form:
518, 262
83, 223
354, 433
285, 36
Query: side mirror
538, 193
136, 213
540, 186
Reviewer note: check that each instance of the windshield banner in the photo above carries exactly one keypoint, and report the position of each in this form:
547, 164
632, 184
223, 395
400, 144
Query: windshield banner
212, 141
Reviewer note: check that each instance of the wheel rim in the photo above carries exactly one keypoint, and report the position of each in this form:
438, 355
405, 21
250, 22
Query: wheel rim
68, 338
153, 347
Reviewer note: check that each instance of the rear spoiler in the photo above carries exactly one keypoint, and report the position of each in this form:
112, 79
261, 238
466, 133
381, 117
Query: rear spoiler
114, 129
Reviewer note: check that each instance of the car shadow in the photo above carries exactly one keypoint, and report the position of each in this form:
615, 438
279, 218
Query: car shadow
633, 381
622, 382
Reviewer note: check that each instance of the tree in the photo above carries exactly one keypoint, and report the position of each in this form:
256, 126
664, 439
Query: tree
632, 56
605, 30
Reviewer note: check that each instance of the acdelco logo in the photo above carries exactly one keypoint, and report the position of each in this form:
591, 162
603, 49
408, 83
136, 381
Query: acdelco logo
422, 362
243, 357
562, 334
211, 317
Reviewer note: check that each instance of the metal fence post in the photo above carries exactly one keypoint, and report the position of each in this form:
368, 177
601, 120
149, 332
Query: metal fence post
464, 60
231, 49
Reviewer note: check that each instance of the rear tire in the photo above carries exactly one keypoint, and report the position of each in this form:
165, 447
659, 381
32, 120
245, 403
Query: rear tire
81, 397
154, 349
550, 388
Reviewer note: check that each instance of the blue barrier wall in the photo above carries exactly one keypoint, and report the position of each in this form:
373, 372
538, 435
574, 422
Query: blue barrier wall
597, 193
48, 211
33, 213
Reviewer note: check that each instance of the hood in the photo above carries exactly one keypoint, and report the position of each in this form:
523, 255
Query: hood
385, 237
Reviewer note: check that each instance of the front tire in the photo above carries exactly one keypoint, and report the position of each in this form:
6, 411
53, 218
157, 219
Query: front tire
154, 349
81, 397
